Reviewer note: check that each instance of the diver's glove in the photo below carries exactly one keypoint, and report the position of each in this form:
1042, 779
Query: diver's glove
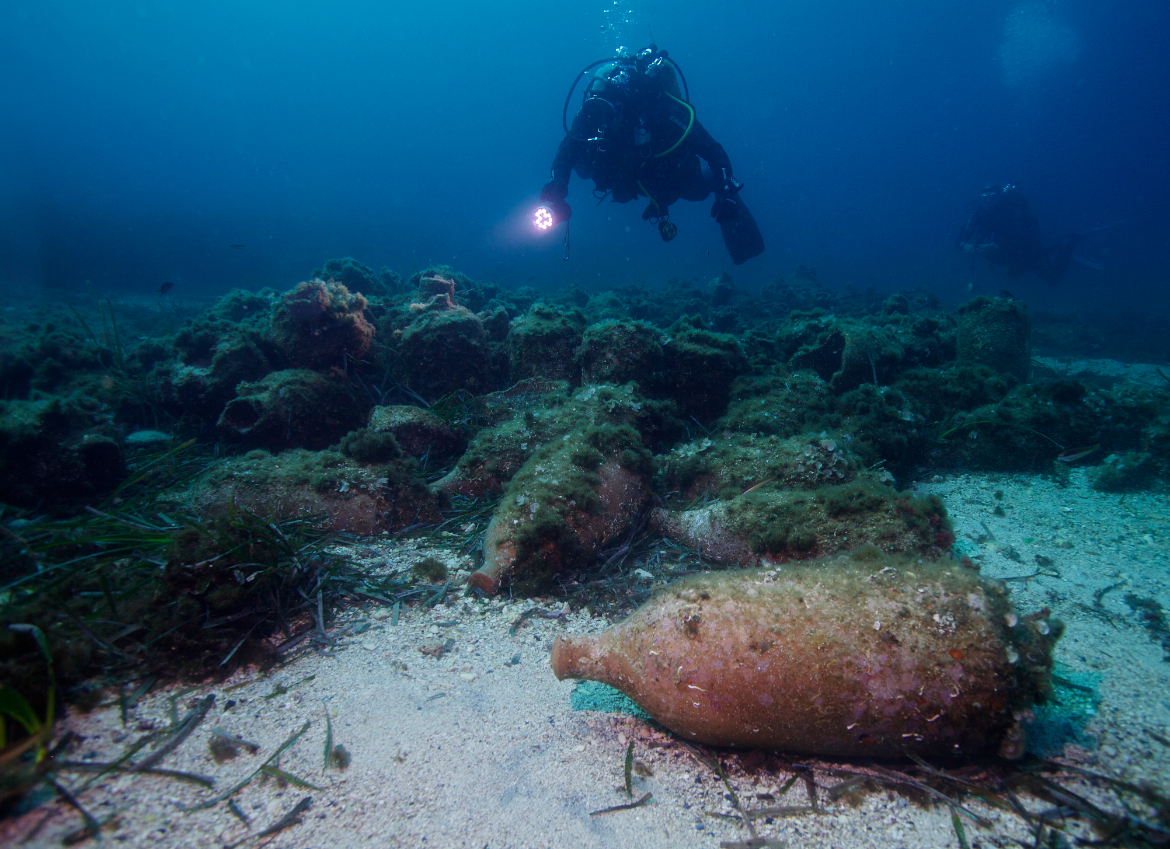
554, 191
726, 206
553, 196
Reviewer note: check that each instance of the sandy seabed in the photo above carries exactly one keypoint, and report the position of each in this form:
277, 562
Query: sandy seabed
480, 748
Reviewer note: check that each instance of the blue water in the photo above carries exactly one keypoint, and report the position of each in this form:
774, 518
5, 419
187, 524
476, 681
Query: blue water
140, 139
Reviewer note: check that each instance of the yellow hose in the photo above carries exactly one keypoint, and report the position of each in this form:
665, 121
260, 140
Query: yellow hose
647, 194
674, 146
686, 132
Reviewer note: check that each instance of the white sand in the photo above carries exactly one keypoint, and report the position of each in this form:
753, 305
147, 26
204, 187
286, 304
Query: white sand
503, 761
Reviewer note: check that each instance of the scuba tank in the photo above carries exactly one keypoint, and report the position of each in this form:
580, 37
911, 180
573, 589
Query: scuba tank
613, 81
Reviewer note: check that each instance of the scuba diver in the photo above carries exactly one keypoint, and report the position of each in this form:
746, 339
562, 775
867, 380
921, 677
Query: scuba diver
636, 134
1003, 228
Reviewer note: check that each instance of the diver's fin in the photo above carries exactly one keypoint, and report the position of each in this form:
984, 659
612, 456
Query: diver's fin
742, 235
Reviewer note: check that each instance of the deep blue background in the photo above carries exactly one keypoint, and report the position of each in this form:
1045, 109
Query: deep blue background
139, 139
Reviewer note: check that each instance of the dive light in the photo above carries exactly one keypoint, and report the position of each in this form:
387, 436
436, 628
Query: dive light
543, 219
550, 214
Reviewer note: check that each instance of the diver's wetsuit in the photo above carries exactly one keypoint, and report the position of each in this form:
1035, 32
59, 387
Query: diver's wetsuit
645, 140
617, 165
1004, 229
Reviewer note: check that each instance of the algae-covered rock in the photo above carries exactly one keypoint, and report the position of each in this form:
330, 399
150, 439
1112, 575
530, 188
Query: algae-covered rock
1035, 422
849, 352
885, 426
542, 344
1155, 434
56, 453
606, 306
524, 417
367, 446
351, 274
430, 285
564, 505
680, 300
996, 332
47, 357
939, 393
812, 341
700, 368
722, 290
419, 432
876, 424
445, 350
621, 351
772, 525
537, 413
292, 408
871, 355
464, 291
354, 497
868, 656
253, 309
778, 402
213, 356
1127, 472
734, 463
320, 324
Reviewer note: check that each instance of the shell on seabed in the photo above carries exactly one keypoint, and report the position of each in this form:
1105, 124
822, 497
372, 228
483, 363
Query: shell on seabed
864, 656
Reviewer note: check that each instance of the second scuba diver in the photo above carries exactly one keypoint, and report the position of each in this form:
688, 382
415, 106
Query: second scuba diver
636, 134
1004, 229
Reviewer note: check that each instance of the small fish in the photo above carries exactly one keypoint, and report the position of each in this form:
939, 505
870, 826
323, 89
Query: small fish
1078, 454
757, 486
237, 247
166, 287
533, 277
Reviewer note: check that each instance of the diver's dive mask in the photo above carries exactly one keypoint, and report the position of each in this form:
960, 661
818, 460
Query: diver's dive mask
609, 88
596, 115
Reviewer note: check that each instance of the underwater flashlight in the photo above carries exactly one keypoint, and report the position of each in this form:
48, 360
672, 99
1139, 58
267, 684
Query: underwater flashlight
549, 215
667, 229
